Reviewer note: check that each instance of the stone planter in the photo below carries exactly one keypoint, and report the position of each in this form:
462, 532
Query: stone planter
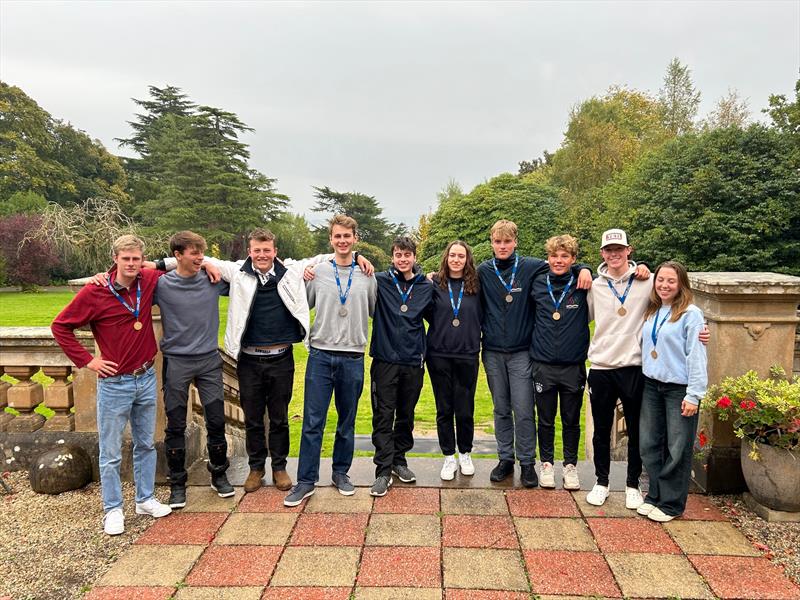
774, 479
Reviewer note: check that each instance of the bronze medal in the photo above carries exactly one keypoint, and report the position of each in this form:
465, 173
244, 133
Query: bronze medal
622, 312
509, 298
138, 325
404, 308
343, 312
456, 322
556, 316
653, 353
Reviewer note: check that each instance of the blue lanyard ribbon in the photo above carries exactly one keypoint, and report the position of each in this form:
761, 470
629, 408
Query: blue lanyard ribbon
563, 293
134, 311
616, 293
453, 305
654, 333
403, 297
343, 297
508, 286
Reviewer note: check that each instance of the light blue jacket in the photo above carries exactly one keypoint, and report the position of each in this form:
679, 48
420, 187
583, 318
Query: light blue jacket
681, 355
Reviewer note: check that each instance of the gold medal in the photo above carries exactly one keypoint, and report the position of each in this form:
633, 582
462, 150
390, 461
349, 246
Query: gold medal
556, 316
509, 298
622, 312
653, 353
138, 325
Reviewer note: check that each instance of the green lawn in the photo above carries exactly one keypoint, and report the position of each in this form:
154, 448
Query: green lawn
39, 309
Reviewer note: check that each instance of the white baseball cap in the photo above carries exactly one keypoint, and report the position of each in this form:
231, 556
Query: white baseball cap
613, 236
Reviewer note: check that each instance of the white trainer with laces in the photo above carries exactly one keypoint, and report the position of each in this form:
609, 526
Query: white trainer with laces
449, 468
598, 495
571, 480
645, 508
152, 507
465, 460
633, 498
547, 476
114, 522
659, 516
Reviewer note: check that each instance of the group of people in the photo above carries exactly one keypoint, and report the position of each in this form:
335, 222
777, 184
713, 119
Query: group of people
530, 318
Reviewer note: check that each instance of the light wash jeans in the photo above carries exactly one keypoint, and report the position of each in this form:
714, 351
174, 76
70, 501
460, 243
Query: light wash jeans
119, 399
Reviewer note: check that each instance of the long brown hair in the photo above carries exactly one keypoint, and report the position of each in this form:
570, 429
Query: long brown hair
682, 300
471, 285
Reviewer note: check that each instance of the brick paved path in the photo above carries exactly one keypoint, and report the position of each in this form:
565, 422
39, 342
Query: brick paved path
431, 543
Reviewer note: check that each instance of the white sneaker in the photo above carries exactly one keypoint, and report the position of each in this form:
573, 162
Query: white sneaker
449, 468
114, 522
465, 460
152, 507
659, 515
571, 481
645, 509
598, 495
633, 498
547, 476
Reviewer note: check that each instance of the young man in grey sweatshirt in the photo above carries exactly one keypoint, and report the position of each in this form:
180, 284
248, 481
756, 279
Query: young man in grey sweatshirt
345, 300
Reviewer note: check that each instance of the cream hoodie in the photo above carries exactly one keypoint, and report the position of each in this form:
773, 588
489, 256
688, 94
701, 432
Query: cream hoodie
617, 339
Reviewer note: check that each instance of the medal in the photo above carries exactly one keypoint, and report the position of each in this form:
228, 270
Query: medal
557, 303
655, 331
403, 296
509, 286
509, 298
654, 354
134, 311
138, 325
453, 305
456, 322
342, 312
622, 312
556, 316
404, 308
343, 297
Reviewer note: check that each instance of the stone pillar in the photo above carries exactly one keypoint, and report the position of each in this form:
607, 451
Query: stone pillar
753, 320
25, 396
58, 397
5, 417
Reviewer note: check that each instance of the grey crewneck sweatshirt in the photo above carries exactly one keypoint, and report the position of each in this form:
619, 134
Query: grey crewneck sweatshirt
331, 331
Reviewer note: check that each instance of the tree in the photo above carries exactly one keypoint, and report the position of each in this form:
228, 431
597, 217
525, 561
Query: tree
26, 262
679, 99
730, 111
531, 166
165, 101
293, 236
22, 203
785, 115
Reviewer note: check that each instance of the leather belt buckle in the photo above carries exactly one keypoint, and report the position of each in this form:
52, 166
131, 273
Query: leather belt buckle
143, 369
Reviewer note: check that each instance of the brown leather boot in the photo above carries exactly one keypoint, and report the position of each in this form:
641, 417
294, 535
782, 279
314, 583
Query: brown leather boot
253, 481
282, 480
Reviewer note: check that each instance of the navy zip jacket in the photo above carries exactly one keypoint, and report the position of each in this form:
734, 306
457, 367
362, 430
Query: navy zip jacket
447, 341
399, 337
564, 341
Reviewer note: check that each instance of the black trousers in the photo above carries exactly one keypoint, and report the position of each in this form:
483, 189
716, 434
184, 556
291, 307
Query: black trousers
554, 387
394, 391
605, 387
179, 372
265, 385
453, 381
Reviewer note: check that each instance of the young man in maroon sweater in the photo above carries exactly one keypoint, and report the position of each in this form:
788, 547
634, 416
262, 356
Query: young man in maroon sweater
119, 317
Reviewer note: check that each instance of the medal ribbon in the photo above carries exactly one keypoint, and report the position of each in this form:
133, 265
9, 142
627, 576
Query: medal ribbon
563, 293
343, 297
454, 306
616, 293
134, 311
508, 286
654, 333
403, 297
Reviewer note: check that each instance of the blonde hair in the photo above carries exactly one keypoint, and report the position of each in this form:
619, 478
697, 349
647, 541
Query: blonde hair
127, 242
343, 221
504, 229
682, 300
561, 242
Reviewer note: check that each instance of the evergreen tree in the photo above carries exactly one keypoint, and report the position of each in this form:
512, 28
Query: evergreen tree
679, 99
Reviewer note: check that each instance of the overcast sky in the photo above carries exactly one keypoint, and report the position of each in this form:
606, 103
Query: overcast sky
388, 99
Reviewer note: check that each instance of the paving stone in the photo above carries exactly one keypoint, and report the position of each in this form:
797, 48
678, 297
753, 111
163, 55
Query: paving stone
234, 566
485, 569
454, 594
400, 567
704, 537
745, 577
330, 529
204, 499
256, 529
189, 528
404, 530
398, 593
307, 593
631, 535
219, 593
614, 506
700, 508
472, 531
125, 593
542, 503
473, 502
329, 500
566, 572
657, 576
554, 534
423, 501
317, 566
165, 566
267, 499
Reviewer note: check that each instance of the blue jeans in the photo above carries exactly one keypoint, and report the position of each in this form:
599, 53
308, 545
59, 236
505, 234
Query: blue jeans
340, 375
119, 399
511, 386
666, 440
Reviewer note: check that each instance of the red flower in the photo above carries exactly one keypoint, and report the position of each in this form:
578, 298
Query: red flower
747, 405
702, 438
723, 402
794, 427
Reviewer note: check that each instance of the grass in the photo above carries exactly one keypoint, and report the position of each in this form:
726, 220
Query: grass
39, 309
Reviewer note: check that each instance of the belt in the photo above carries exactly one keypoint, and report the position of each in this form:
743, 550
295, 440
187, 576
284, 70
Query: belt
265, 351
143, 369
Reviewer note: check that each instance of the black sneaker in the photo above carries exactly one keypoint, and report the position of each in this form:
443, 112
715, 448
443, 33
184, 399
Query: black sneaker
177, 496
381, 486
528, 476
223, 487
404, 474
503, 469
